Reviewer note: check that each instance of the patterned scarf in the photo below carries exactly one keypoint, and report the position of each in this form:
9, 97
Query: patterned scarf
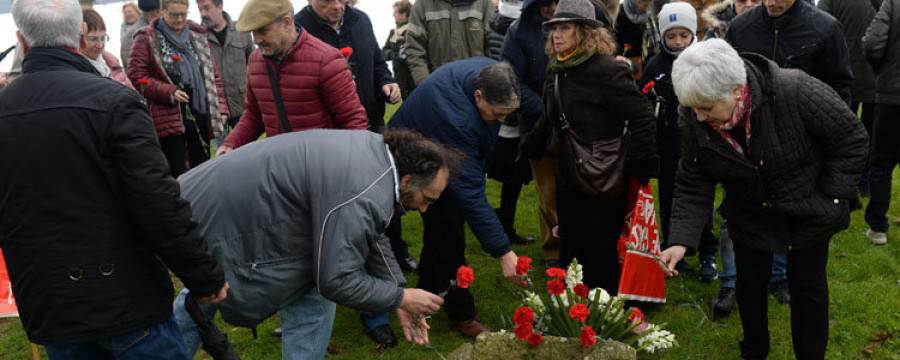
741, 111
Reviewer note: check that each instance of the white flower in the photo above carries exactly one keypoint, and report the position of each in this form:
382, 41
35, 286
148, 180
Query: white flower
604, 296
574, 274
533, 301
563, 298
655, 340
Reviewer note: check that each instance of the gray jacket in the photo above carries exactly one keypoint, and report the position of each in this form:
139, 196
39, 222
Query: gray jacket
882, 47
231, 61
311, 214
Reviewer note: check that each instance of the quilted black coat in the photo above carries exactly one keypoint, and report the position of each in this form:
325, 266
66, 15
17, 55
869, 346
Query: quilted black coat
795, 187
882, 48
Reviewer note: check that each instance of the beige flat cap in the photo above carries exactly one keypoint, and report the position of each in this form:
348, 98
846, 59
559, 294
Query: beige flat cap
259, 13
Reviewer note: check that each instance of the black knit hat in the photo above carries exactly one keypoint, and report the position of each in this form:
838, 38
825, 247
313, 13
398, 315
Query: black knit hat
148, 5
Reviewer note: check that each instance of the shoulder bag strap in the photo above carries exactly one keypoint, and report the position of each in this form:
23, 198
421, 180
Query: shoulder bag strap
276, 91
562, 114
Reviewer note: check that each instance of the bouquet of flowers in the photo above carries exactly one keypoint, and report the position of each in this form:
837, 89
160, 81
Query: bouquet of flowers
590, 315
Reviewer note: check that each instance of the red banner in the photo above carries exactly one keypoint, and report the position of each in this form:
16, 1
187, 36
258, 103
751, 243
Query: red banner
642, 278
7, 302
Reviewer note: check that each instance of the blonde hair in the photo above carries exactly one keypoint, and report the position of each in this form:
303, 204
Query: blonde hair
589, 39
132, 5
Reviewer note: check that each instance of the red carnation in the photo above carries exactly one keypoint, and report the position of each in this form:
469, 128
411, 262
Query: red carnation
535, 339
523, 264
579, 312
176, 58
143, 81
588, 336
557, 273
582, 290
522, 332
627, 47
347, 51
649, 86
523, 316
464, 277
556, 287
637, 316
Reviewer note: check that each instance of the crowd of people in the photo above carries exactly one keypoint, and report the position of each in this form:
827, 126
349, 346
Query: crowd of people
159, 167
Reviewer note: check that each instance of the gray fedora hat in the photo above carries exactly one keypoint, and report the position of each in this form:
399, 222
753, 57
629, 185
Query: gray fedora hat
580, 11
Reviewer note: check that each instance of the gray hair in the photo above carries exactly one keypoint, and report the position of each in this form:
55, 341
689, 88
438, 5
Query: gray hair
706, 72
499, 85
48, 23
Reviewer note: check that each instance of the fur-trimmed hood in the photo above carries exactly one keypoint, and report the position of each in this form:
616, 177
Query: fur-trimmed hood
718, 18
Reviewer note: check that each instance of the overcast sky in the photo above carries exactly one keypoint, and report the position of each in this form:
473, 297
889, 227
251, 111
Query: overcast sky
379, 11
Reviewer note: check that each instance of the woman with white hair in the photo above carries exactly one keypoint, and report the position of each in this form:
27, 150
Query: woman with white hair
789, 152
590, 95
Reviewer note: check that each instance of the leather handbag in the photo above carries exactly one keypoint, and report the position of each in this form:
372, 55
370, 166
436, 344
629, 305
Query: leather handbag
595, 168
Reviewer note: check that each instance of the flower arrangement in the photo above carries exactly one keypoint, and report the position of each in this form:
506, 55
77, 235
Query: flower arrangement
577, 312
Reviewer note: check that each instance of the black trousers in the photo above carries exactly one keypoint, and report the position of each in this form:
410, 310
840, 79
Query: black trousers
443, 252
589, 231
809, 300
394, 232
867, 117
883, 158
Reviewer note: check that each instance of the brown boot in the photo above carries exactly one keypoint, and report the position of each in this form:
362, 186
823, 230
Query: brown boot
469, 328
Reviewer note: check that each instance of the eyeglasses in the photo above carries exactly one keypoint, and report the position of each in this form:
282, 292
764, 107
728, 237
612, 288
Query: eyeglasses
96, 39
177, 15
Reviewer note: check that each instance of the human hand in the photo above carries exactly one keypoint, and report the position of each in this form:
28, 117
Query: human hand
420, 302
181, 96
392, 92
508, 263
3, 80
672, 256
223, 150
217, 297
415, 329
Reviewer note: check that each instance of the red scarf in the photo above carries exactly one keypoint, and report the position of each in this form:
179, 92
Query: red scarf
741, 111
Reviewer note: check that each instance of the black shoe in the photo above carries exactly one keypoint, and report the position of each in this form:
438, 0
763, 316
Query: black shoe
521, 240
408, 263
383, 335
724, 302
553, 264
708, 270
276, 332
684, 268
781, 290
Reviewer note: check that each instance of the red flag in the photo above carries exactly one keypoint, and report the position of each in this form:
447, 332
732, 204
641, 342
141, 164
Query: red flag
7, 301
642, 278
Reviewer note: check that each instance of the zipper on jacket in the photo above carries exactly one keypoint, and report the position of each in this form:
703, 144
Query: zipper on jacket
775, 46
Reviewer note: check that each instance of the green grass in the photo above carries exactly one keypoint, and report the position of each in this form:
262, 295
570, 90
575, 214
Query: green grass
864, 281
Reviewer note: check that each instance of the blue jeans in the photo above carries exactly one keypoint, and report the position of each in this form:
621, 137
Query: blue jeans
161, 341
728, 275
305, 325
372, 320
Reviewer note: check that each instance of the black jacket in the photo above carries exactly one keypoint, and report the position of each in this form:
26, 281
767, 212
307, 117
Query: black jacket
659, 70
598, 96
523, 49
804, 38
370, 71
855, 16
499, 25
794, 188
90, 216
882, 47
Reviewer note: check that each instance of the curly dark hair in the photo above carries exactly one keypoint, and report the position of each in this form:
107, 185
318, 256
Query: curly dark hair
420, 157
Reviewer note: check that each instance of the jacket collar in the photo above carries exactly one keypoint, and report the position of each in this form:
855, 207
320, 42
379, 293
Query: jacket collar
229, 28
349, 20
759, 76
785, 19
40, 59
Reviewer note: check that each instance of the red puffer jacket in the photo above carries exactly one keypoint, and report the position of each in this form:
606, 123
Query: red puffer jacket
317, 91
144, 63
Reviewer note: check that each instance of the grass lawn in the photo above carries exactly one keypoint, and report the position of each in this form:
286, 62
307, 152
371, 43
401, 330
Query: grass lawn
864, 281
